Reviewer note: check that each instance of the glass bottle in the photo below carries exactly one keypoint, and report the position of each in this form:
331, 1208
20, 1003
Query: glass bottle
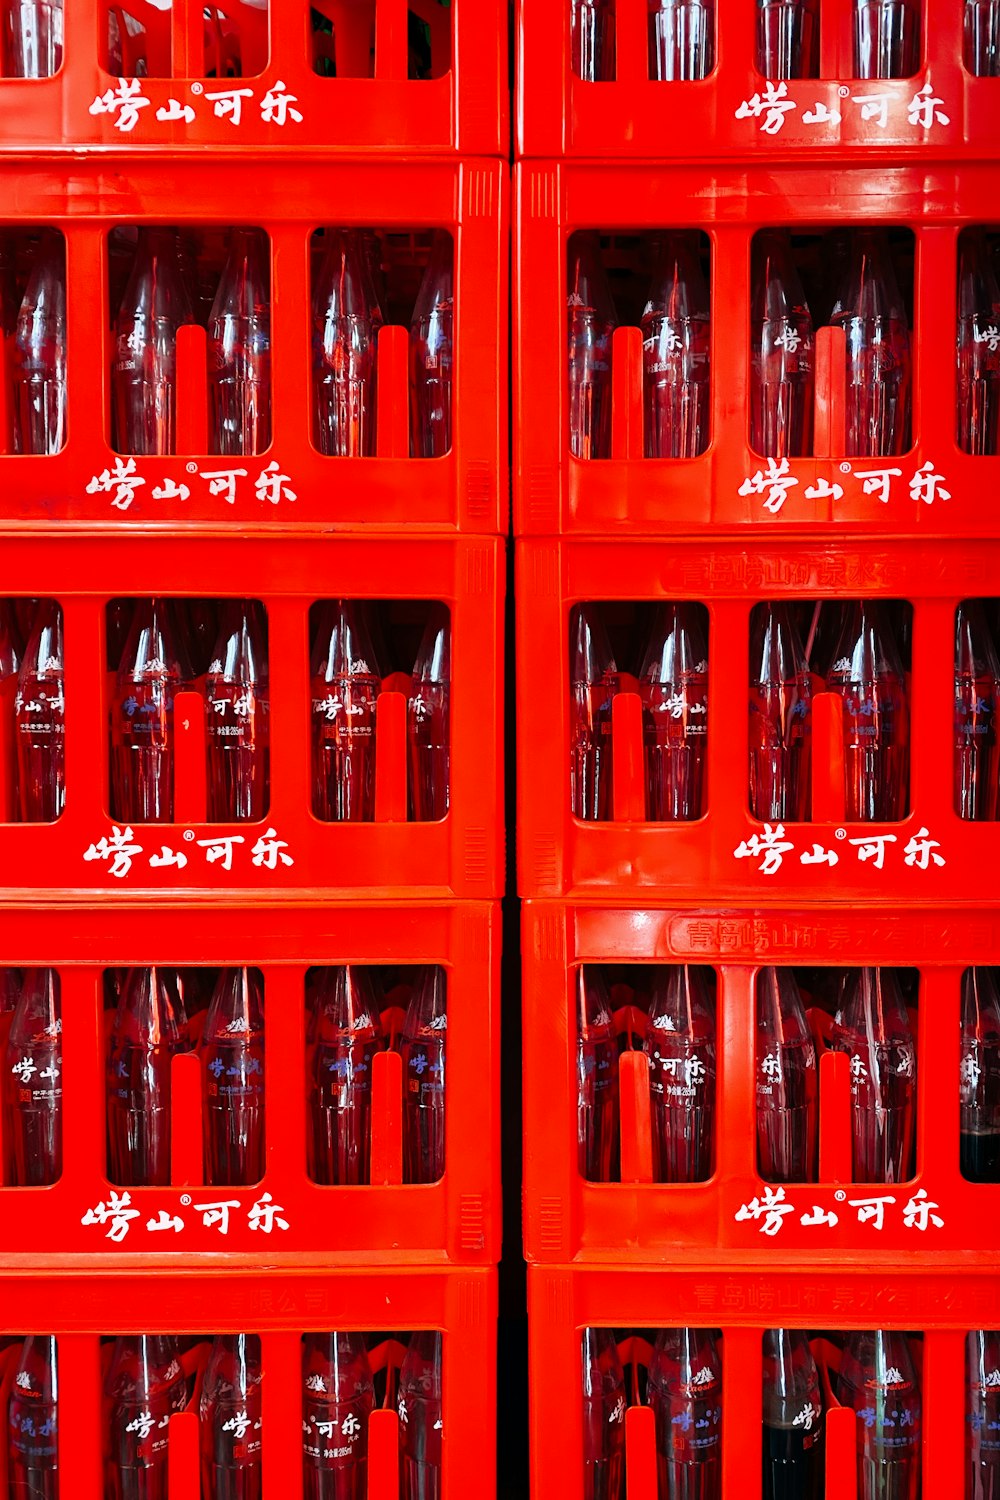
878, 1379
143, 1388
596, 1078
420, 1424
980, 1076
685, 1393
676, 342
33, 1422
787, 39
886, 38
780, 717
603, 1416
432, 354
232, 1053
150, 675
977, 694
34, 1074
681, 39
674, 689
680, 1046
346, 321
34, 37
782, 348
144, 373
793, 1418
239, 349
870, 310
143, 1042
592, 39
867, 674
345, 685
346, 1036
423, 1044
872, 1026
982, 1464
593, 680
229, 1413
590, 315
428, 721
338, 1395
40, 351
40, 719
787, 1092
237, 727
978, 345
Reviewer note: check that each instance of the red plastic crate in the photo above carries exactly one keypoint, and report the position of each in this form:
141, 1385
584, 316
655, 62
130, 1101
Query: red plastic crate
561, 1303
454, 1220
80, 1309
459, 856
635, 117
87, 483
931, 856
627, 494
747, 1223
465, 107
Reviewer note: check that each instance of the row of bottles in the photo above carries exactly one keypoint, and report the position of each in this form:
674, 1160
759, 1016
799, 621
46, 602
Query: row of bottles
871, 1024
150, 1377
175, 278
158, 1013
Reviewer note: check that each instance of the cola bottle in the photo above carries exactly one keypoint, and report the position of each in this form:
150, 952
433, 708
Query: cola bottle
982, 38
596, 1078
428, 720
34, 39
685, 1393
346, 321
239, 349
144, 372
592, 39
346, 1035
420, 1424
879, 1382
39, 372
338, 1395
593, 682
793, 1418
590, 323
151, 673
144, 1039
674, 689
34, 1074
873, 1028
432, 354
977, 693
680, 1046
787, 1122
676, 337
870, 310
780, 717
886, 38
229, 1414
33, 1422
982, 1449
978, 351
980, 1076
345, 685
143, 1388
237, 725
681, 39
40, 719
782, 348
867, 674
787, 38
603, 1416
232, 1054
422, 1043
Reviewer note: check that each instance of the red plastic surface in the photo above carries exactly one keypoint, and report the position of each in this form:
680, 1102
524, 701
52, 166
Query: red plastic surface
628, 494
931, 856
642, 1222
634, 117
466, 488
459, 856
464, 109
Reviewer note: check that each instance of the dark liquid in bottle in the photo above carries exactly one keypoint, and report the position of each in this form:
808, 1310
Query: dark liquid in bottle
793, 1464
980, 1157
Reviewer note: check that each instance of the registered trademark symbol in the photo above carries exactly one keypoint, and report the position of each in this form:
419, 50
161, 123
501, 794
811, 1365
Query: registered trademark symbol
841, 833
191, 467
188, 835
844, 91
840, 1195
845, 468
185, 1200
197, 88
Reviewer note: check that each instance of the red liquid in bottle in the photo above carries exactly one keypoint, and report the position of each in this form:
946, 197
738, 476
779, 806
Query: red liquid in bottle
237, 718
33, 1422
886, 38
143, 1042
590, 323
143, 1388
680, 1046
676, 338
793, 1418
428, 721
867, 673
674, 688
142, 719
979, 1076
423, 1044
34, 1081
596, 1079
873, 1028
978, 346
982, 1461
40, 720
871, 312
685, 1393
982, 48
230, 1419
592, 39
603, 1416
782, 374
239, 349
144, 373
40, 352
347, 1033
345, 685
787, 39
681, 39
232, 1051
593, 682
34, 40
337, 1399
432, 355
780, 717
878, 1380
977, 694
420, 1423
787, 1136
346, 321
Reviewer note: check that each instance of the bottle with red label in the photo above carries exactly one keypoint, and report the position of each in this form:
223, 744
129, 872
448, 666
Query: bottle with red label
673, 685
867, 674
238, 717
596, 1078
432, 354
978, 344
592, 39
34, 38
782, 346
239, 349
143, 1388
979, 1075
593, 682
33, 1422
793, 1418
879, 1382
34, 1081
345, 686
155, 303
787, 39
151, 673
676, 341
982, 41
346, 321
423, 1044
787, 1089
685, 1394
39, 372
603, 1416
429, 720
886, 38
591, 321
681, 39
680, 1046
873, 1028
232, 1053
780, 717
345, 1035
40, 719
338, 1395
144, 1039
420, 1416
982, 1415
870, 310
229, 1415
977, 696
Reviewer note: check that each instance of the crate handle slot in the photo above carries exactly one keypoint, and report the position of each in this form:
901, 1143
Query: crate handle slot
636, 1126
390, 757
831, 393
190, 770
182, 1456
628, 769
835, 1157
387, 1121
626, 393
829, 794
192, 388
186, 1113
392, 393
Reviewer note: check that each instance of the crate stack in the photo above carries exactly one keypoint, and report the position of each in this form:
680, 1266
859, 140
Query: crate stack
389, 116
629, 157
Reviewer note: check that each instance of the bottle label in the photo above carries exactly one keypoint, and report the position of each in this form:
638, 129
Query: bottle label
334, 1433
